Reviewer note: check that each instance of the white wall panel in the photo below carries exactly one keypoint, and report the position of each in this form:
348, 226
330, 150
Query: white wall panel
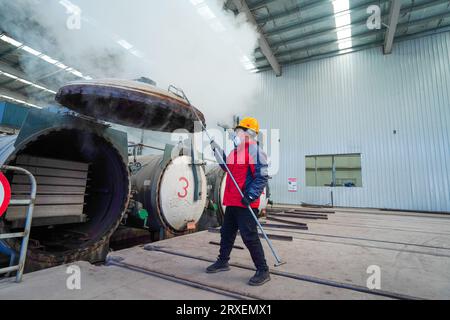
352, 104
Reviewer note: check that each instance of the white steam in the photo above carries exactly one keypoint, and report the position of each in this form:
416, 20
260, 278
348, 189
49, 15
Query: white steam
192, 44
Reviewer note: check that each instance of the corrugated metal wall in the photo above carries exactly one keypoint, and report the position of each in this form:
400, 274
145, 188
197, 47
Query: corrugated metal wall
352, 104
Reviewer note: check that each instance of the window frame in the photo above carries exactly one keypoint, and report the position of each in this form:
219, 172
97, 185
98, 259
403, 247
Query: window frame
333, 169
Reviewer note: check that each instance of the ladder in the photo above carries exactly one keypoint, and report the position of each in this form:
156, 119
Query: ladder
25, 235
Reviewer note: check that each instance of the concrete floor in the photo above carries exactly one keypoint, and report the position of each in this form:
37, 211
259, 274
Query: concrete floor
411, 249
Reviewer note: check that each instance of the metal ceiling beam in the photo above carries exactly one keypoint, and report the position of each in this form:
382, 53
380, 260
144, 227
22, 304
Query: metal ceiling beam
401, 35
334, 53
324, 32
360, 36
315, 34
328, 54
310, 22
313, 21
241, 6
400, 29
394, 15
408, 10
293, 10
259, 4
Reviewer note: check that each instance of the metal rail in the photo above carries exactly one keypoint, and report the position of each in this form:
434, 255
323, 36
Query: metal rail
270, 236
194, 284
306, 278
26, 234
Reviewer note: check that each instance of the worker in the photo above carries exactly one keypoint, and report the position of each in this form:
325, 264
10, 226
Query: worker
248, 164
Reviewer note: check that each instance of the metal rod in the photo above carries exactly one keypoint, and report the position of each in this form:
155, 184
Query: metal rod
283, 226
145, 146
277, 258
183, 281
9, 269
300, 277
269, 235
297, 216
287, 221
306, 210
19, 202
218, 244
11, 235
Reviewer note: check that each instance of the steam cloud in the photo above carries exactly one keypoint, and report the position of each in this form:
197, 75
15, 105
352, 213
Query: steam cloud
195, 45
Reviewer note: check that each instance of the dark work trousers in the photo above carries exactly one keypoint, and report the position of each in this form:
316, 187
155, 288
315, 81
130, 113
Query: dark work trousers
237, 218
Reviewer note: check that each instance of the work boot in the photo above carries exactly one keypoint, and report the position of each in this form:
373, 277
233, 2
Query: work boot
260, 277
218, 266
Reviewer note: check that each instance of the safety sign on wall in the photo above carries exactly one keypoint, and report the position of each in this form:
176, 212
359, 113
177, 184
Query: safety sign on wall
5, 194
292, 184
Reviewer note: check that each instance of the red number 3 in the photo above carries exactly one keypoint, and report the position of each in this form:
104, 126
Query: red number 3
185, 188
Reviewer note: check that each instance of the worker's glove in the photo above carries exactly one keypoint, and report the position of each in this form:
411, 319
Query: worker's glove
246, 201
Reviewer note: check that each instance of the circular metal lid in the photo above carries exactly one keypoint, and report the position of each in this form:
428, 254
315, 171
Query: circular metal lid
129, 103
177, 194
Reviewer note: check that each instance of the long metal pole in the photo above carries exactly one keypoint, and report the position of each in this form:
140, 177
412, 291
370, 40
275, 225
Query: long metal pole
277, 258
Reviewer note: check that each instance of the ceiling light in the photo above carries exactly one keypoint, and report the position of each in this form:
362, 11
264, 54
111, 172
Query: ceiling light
77, 73
44, 57
197, 2
11, 41
345, 44
31, 50
206, 12
61, 65
247, 63
9, 75
343, 34
343, 18
19, 101
48, 59
70, 7
125, 44
341, 5
137, 53
27, 82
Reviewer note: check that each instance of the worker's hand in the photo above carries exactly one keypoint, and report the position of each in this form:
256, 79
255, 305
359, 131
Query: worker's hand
246, 201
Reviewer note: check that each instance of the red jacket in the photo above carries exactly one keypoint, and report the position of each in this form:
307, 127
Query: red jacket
248, 165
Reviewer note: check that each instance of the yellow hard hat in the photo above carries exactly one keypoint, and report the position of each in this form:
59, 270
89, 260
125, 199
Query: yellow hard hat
249, 123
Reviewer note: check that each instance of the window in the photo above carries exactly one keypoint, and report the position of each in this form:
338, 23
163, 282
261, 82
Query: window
334, 171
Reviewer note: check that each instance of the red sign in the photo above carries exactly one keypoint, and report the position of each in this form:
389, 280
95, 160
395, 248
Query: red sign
292, 184
5, 194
